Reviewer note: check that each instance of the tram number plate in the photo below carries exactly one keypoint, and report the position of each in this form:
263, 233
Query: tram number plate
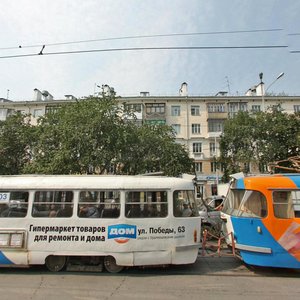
4, 197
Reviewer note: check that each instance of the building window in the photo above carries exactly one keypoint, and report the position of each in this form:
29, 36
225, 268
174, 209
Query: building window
214, 190
233, 107
216, 107
198, 167
37, 113
177, 128
175, 110
152, 108
246, 167
237, 106
3, 112
195, 110
196, 128
255, 108
212, 149
243, 107
296, 108
52, 109
133, 107
276, 107
197, 147
215, 125
263, 168
19, 111
213, 166
155, 122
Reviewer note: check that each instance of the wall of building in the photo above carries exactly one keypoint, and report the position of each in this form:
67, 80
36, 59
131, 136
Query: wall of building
188, 112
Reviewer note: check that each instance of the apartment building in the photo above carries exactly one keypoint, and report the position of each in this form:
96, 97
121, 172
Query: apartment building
198, 121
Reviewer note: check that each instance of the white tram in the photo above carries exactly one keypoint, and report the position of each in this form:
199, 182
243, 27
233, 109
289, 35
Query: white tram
93, 221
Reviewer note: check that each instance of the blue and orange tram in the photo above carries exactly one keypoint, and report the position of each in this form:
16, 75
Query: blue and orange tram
263, 214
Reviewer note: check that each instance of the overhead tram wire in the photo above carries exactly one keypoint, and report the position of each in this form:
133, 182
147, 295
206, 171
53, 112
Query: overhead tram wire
146, 49
144, 36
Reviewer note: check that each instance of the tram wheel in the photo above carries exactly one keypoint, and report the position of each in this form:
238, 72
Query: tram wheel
56, 263
111, 265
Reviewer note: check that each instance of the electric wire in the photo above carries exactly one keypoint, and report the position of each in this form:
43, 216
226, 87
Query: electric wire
146, 49
144, 37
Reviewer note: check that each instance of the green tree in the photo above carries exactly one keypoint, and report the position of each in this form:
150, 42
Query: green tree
237, 144
259, 138
15, 140
96, 136
152, 148
78, 138
277, 134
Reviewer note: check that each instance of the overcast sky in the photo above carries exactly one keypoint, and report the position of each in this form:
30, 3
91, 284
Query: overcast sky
33, 23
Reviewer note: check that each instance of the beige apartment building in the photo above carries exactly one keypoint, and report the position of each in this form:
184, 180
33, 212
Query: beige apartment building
197, 120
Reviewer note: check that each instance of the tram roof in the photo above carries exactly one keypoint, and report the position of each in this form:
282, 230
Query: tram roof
269, 181
63, 182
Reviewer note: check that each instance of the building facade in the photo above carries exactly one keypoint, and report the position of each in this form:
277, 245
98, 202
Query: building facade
197, 121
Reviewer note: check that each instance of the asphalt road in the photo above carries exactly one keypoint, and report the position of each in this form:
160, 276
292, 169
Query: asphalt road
209, 278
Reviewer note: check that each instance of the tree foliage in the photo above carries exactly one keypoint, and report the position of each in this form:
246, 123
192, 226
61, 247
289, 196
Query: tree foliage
96, 136
259, 138
15, 140
76, 138
151, 148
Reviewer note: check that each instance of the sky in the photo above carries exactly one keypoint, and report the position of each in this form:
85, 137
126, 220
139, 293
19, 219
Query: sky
114, 25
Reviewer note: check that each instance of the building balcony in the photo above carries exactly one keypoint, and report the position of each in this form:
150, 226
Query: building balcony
214, 134
198, 155
155, 122
155, 116
217, 115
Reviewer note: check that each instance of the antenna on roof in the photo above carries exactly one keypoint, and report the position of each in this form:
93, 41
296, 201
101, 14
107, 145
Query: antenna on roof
228, 84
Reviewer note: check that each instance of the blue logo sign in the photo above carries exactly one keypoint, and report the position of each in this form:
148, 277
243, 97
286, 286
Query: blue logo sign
121, 233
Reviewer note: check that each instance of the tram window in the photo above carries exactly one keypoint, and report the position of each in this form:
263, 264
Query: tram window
53, 204
233, 201
13, 204
254, 205
296, 203
140, 204
184, 204
99, 204
283, 205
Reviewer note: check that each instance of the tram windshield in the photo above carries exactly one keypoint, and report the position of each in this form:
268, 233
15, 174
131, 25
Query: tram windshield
246, 203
